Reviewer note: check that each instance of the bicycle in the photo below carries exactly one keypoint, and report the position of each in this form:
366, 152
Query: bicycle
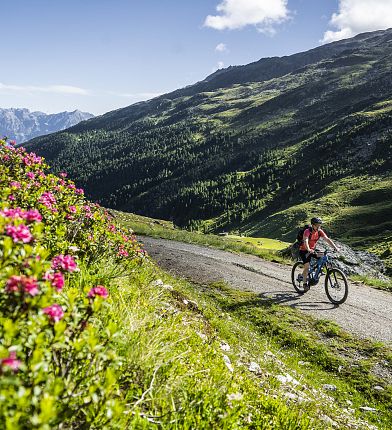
336, 285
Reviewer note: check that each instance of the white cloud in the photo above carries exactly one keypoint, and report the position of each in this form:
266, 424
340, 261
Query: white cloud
221, 47
236, 14
359, 16
30, 89
64, 89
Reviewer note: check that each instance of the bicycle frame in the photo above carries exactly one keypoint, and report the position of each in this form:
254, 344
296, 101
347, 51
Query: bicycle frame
315, 268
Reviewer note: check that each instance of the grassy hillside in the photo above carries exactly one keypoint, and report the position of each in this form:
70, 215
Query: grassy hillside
247, 143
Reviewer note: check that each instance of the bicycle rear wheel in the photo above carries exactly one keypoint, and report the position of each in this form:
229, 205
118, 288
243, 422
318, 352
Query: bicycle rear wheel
296, 277
336, 286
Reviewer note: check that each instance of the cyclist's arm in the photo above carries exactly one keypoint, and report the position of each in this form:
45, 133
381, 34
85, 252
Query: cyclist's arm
306, 243
329, 241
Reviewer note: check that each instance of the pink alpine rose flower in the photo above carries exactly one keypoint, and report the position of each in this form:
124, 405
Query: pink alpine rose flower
55, 312
27, 161
31, 286
13, 283
122, 252
98, 290
31, 159
65, 263
56, 279
22, 283
47, 199
12, 213
19, 233
30, 175
32, 215
72, 209
11, 361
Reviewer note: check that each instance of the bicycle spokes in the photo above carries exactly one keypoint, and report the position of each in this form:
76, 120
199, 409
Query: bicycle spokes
297, 277
336, 286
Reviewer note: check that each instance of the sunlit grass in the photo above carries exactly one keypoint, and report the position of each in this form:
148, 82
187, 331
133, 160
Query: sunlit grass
261, 242
261, 247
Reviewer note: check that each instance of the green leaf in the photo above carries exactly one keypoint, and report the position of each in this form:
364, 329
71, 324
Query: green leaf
48, 409
7, 246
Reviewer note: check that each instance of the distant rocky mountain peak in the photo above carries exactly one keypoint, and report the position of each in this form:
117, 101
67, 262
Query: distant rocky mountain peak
21, 124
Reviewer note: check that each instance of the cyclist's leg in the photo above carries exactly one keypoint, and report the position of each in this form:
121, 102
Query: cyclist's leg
305, 256
306, 271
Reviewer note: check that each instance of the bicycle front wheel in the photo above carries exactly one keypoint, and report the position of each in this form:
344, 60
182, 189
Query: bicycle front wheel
297, 278
336, 286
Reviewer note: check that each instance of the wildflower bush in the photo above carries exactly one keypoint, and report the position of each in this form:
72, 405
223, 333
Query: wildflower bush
57, 362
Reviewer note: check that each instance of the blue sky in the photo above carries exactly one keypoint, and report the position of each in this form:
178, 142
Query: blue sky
99, 55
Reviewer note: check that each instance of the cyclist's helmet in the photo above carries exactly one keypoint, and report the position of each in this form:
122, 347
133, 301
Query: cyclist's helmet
316, 220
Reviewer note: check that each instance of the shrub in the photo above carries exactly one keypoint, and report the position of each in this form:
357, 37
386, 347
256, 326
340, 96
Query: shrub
57, 365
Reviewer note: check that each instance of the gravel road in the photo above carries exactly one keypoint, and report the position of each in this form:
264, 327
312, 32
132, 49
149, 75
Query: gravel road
366, 313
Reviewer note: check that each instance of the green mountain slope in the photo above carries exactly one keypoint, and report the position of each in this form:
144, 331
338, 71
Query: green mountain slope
248, 143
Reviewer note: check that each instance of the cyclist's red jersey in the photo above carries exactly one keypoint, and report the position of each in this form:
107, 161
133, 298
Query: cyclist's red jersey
313, 236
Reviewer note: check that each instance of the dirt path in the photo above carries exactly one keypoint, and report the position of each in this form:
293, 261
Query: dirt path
367, 311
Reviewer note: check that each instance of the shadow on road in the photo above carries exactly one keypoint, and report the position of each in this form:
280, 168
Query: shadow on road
269, 298
292, 299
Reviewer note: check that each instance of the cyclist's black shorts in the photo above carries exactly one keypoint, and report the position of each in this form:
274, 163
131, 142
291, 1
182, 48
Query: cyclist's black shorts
305, 256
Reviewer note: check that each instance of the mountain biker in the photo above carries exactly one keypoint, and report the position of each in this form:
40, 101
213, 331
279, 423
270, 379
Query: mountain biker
307, 247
